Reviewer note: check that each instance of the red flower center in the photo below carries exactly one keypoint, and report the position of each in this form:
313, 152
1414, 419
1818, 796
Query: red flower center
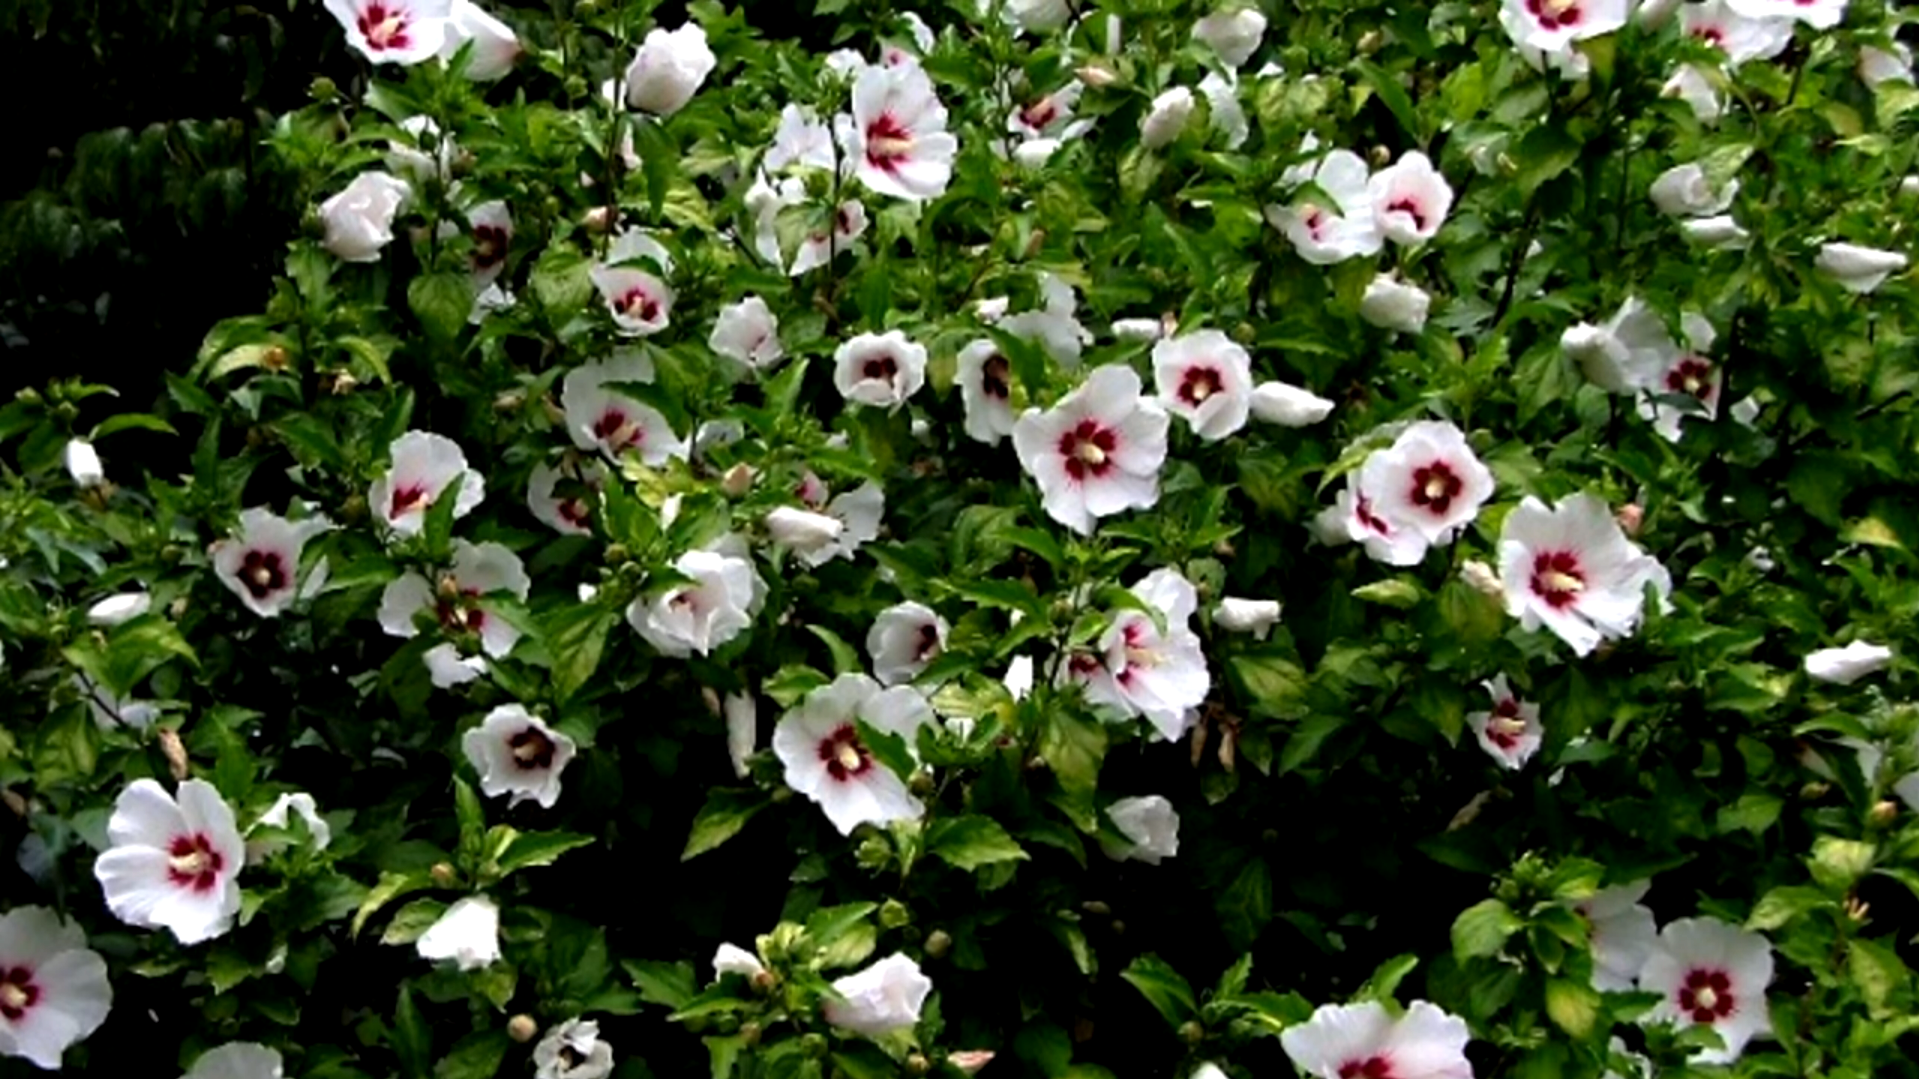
1435, 486
888, 143
1088, 450
993, 377
262, 573
489, 246
383, 27
1707, 996
1406, 205
1557, 578
193, 863
1363, 509
929, 642
531, 750
407, 499
617, 430
880, 367
1505, 727
574, 511
1373, 1067
1040, 113
17, 993
635, 302
1711, 35
1554, 14
1198, 384
462, 613
1691, 376
845, 757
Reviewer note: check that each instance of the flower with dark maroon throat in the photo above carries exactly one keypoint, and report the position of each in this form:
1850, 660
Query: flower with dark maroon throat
1428, 480
393, 31
1551, 26
1410, 199
53, 989
260, 562
517, 754
173, 864
879, 369
1365, 1041
1572, 570
1097, 452
986, 391
1710, 973
819, 743
1205, 378
457, 603
638, 301
564, 501
491, 226
599, 416
424, 465
897, 140
905, 638
1510, 732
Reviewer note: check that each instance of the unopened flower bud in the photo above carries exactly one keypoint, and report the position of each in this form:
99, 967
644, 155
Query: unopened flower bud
28, 396
616, 554
938, 943
750, 1033
1885, 812
1370, 41
1117, 927
177, 608
1630, 517
575, 85
813, 1045
1814, 790
1191, 1032
921, 783
174, 751
13, 801
738, 480
509, 401
1095, 76
522, 1028
449, 588
274, 358
970, 1061
917, 1064
1096, 907
1482, 577
554, 413
442, 874
598, 219
894, 914
342, 383
1381, 157
172, 553
353, 509
323, 89
765, 981
873, 852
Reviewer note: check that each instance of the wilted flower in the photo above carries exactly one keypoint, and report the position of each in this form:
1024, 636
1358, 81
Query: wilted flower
1254, 616
802, 530
1225, 114
668, 69
858, 511
1344, 1041
1166, 118
173, 864
1571, 569
1053, 324
118, 608
1207, 379
897, 139
53, 989
1097, 452
904, 639
1847, 665
700, 616
1287, 405
359, 220
1392, 304
733, 959
468, 933
573, 1050
424, 464
82, 462
1139, 329
1878, 66
1858, 269
747, 332
742, 716
110, 711
516, 753
1625, 355
600, 417
1233, 33
1327, 234
393, 31
261, 561
1510, 733
1410, 198
1623, 934
494, 47
238, 1060
819, 744
1719, 233
883, 998
1150, 824
1708, 972
280, 816
879, 369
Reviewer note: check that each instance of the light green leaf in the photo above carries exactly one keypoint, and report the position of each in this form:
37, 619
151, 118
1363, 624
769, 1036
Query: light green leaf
1163, 988
972, 841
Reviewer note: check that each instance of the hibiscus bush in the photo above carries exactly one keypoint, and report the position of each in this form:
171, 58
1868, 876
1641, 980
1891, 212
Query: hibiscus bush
1076, 538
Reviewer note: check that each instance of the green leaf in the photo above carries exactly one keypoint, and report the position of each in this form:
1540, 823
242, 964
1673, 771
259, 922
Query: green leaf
412, 920
1163, 988
659, 159
972, 841
1386, 978
530, 849
1246, 905
1879, 973
1270, 684
391, 886
1541, 154
442, 302
1393, 96
1573, 1006
1481, 929
726, 811
1783, 904
659, 982
1753, 812
576, 636
437, 532
476, 1056
411, 1040
845, 659
561, 281
127, 421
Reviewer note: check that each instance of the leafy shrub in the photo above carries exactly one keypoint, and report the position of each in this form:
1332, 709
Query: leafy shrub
701, 558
